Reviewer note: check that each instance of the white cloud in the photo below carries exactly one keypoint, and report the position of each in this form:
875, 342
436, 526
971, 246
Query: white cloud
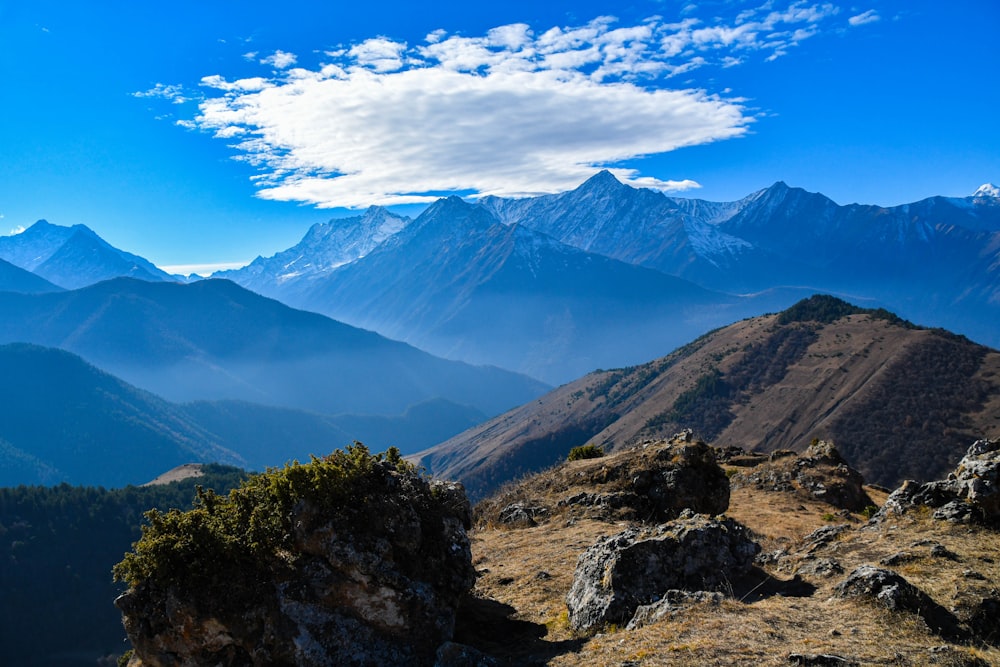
380, 54
16, 230
870, 16
251, 84
513, 112
174, 93
203, 270
280, 60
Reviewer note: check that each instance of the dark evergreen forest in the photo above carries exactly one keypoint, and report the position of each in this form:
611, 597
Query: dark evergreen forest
57, 547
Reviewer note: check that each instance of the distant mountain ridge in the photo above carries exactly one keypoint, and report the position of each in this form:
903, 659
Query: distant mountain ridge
325, 247
67, 421
474, 285
215, 340
936, 260
73, 257
898, 400
459, 283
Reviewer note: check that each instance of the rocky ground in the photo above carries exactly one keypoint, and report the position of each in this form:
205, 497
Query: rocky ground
669, 553
834, 582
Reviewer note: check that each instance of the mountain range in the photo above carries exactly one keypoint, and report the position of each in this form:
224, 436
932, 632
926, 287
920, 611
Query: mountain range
899, 401
215, 340
601, 276
606, 275
461, 284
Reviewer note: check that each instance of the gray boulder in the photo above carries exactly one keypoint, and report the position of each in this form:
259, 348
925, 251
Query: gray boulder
652, 482
895, 593
970, 494
671, 603
638, 567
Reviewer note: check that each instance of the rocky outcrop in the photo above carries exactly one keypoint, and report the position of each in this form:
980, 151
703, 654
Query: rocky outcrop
820, 473
651, 482
970, 494
657, 481
895, 593
367, 568
639, 567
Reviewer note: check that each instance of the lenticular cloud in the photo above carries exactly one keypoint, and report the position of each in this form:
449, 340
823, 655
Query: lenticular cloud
511, 113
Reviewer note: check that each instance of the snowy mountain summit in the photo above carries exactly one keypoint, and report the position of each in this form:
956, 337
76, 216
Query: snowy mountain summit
987, 190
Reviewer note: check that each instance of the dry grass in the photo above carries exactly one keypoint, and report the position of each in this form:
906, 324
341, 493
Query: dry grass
530, 570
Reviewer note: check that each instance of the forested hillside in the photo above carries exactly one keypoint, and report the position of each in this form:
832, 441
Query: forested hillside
57, 547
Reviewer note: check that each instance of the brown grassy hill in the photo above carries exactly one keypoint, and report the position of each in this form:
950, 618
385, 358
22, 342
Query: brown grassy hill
785, 612
898, 400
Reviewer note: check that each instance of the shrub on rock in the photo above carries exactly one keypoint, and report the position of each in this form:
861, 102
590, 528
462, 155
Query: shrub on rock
351, 559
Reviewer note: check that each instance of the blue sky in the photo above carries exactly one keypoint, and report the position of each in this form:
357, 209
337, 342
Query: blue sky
203, 133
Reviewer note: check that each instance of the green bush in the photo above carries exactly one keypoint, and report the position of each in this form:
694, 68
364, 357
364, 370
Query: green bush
588, 451
221, 548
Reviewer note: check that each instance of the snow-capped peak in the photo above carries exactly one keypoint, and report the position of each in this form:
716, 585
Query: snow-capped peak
987, 190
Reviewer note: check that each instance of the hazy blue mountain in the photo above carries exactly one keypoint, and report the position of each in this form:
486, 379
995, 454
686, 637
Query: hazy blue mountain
936, 261
324, 247
268, 436
73, 257
504, 281
15, 279
215, 340
66, 421
459, 283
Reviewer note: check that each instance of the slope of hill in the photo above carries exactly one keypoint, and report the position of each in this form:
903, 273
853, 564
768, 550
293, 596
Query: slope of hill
66, 421
459, 283
215, 340
73, 257
15, 279
899, 401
